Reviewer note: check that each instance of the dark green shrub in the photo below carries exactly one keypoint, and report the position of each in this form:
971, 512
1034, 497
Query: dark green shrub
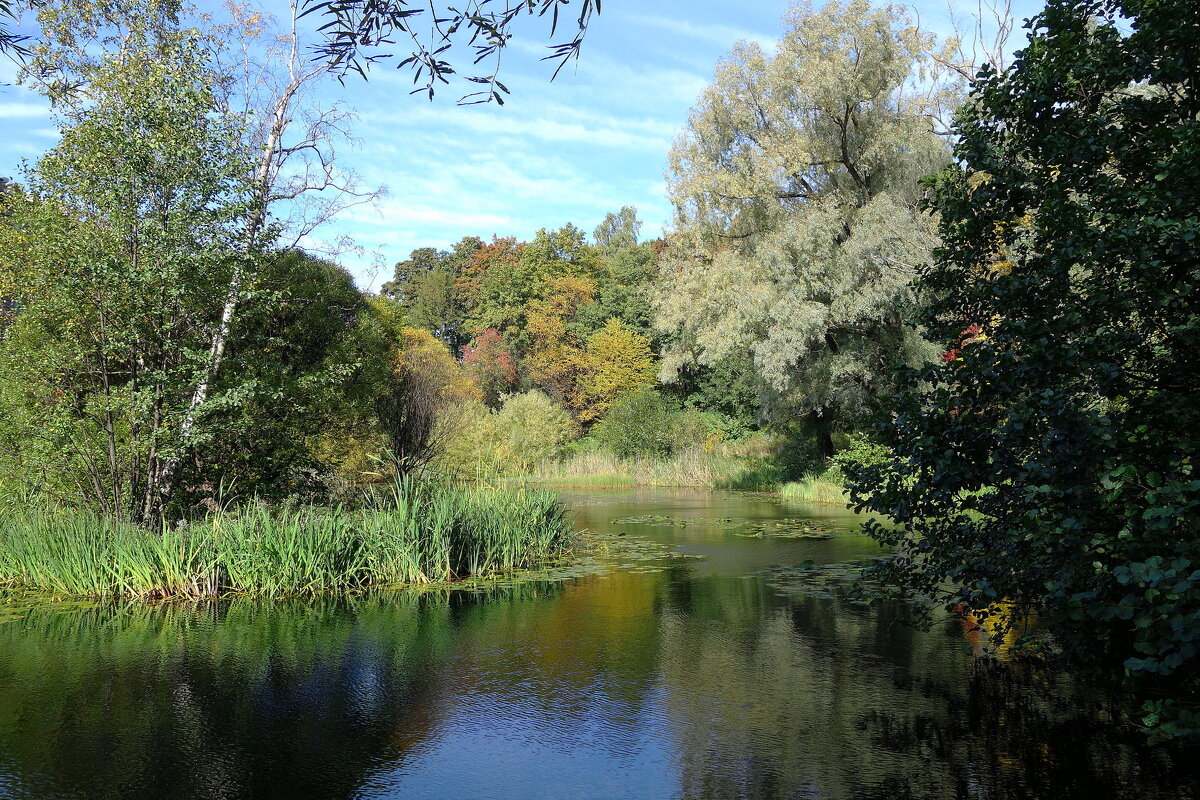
640, 424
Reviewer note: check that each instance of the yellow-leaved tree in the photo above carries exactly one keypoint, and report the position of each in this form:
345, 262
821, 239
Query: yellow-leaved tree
557, 357
618, 361
422, 412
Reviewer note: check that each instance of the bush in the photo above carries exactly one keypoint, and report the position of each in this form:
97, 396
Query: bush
418, 413
639, 424
530, 427
859, 453
470, 451
800, 452
693, 429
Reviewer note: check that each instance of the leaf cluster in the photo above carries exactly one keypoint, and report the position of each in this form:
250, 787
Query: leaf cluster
359, 33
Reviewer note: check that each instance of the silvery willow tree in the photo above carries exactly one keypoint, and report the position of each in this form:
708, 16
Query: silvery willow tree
796, 187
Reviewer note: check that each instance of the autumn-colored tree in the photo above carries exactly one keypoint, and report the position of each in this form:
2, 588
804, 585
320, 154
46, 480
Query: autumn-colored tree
509, 286
488, 361
418, 415
534, 305
504, 250
426, 284
618, 361
556, 357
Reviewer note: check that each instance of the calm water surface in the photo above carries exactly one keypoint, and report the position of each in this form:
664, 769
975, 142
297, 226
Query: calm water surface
704, 679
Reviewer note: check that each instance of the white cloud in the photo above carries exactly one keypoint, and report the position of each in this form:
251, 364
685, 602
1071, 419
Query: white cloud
395, 211
712, 32
23, 110
562, 126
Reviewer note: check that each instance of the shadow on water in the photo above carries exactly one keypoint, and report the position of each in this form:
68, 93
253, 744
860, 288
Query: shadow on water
698, 679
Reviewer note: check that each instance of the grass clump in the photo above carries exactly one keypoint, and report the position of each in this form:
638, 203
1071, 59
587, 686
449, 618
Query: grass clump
716, 464
817, 489
420, 534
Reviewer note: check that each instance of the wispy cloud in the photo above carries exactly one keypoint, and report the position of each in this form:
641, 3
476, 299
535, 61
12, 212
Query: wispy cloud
571, 129
549, 121
393, 212
23, 110
716, 33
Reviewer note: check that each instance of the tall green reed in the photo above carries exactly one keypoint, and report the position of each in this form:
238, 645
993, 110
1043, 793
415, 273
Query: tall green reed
417, 533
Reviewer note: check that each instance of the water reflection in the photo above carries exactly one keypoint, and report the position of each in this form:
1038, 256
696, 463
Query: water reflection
699, 681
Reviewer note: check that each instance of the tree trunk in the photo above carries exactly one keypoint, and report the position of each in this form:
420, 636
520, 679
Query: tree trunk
260, 191
823, 431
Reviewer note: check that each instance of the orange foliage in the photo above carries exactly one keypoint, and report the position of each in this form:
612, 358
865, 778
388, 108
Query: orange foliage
466, 285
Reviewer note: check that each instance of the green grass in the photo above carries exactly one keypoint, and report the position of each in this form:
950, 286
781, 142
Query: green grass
691, 467
817, 489
420, 534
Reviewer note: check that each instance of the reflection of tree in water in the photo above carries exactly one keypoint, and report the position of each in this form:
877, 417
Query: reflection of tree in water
807, 697
236, 699
756, 695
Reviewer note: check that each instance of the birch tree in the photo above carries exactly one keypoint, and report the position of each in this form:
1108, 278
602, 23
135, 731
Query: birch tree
184, 164
293, 184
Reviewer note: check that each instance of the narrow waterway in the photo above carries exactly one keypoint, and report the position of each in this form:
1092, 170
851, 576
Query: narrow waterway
701, 670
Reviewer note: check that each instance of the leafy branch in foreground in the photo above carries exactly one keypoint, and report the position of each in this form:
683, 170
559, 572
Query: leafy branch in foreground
1047, 463
11, 44
361, 32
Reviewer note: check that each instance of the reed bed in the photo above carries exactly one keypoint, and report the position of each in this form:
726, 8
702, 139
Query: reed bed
600, 469
693, 467
819, 490
419, 534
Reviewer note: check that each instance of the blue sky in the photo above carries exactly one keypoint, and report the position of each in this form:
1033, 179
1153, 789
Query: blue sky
570, 150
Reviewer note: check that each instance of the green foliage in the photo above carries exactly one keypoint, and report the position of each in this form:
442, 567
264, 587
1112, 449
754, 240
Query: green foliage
729, 388
509, 287
796, 193
472, 451
429, 286
805, 448
640, 424
422, 533
618, 231
1049, 461
530, 427
307, 363
554, 314
819, 489
622, 289
860, 454
118, 255
354, 29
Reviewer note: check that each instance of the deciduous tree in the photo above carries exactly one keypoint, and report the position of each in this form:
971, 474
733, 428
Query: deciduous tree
796, 189
618, 362
1047, 462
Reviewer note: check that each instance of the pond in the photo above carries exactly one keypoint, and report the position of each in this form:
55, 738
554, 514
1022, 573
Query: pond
703, 669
